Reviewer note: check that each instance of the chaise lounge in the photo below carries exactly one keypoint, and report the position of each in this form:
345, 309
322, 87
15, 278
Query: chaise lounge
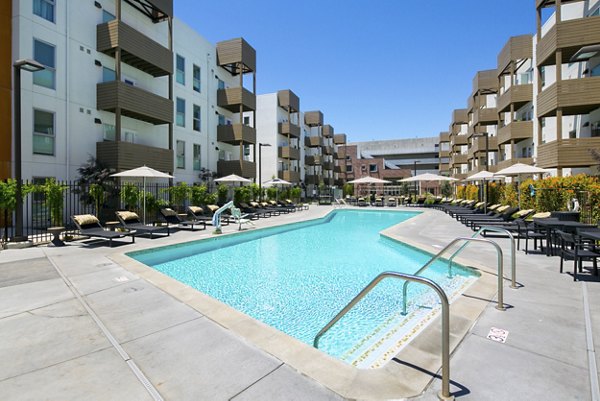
171, 217
89, 226
131, 221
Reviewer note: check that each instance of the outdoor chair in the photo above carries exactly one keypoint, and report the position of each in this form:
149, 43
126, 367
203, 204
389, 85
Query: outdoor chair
89, 226
391, 202
132, 222
362, 202
253, 210
573, 247
240, 218
171, 217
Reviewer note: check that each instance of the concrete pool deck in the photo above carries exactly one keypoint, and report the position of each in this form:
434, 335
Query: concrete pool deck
80, 322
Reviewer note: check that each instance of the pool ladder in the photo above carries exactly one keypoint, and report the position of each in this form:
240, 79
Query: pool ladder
444, 394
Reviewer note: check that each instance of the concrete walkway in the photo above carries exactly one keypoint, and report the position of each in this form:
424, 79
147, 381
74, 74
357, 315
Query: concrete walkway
76, 325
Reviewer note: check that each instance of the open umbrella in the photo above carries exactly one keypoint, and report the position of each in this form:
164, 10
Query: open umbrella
368, 180
518, 170
427, 177
276, 181
143, 172
484, 176
232, 178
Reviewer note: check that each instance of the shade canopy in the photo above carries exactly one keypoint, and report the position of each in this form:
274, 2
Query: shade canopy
484, 176
520, 168
232, 178
142, 172
276, 181
428, 177
369, 180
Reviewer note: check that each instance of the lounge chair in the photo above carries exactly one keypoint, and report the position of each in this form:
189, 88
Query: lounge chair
240, 218
90, 226
259, 213
378, 201
264, 207
362, 202
131, 221
171, 217
391, 202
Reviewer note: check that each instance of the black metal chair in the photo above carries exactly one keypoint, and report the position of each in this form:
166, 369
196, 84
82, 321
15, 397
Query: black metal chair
573, 247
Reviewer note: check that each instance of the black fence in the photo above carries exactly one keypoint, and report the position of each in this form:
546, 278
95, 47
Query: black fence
38, 216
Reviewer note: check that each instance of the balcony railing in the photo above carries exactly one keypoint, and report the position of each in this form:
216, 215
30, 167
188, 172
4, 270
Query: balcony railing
459, 159
567, 153
460, 140
569, 36
507, 163
313, 118
573, 96
287, 152
485, 116
232, 98
242, 168
235, 133
518, 95
288, 129
339, 139
121, 156
312, 160
313, 141
515, 131
291, 176
312, 179
478, 144
288, 100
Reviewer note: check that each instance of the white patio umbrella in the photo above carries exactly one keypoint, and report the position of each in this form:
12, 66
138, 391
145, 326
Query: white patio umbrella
368, 180
484, 176
276, 181
427, 177
232, 179
518, 170
143, 172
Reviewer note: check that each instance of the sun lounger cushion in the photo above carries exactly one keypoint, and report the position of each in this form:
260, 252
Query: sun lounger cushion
196, 209
212, 208
168, 212
85, 219
541, 215
128, 216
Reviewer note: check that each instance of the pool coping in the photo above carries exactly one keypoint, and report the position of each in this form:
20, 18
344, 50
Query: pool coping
392, 381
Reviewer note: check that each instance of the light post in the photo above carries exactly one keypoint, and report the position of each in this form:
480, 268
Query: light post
415, 174
487, 165
31, 66
260, 145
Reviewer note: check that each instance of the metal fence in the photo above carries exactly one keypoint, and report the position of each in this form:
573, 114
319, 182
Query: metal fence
37, 216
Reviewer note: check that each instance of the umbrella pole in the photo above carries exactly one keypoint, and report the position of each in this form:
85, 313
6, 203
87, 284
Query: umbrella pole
144, 206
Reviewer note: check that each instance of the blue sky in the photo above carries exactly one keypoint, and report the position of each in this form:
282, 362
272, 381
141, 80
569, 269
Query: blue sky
379, 69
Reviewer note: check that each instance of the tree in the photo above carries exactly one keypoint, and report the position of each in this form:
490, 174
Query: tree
8, 199
179, 194
54, 194
446, 189
130, 195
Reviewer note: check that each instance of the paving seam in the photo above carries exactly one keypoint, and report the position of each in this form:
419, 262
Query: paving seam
130, 363
589, 336
256, 381
165, 329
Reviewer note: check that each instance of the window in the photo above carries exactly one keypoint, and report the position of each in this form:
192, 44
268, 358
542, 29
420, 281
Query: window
197, 118
363, 167
107, 17
196, 81
221, 84
221, 119
246, 120
180, 73
196, 160
372, 168
108, 74
180, 117
349, 168
180, 154
109, 132
44, 9
43, 132
128, 135
44, 53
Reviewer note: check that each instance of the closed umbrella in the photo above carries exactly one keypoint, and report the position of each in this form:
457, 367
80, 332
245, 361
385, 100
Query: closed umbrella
143, 172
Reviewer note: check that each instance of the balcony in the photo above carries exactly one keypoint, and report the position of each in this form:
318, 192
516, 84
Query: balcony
137, 49
518, 95
486, 116
134, 102
478, 144
339, 182
243, 168
232, 98
313, 118
477, 169
233, 134
122, 156
291, 176
459, 159
444, 167
567, 153
444, 137
460, 140
287, 152
327, 131
288, 101
485, 82
460, 176
444, 153
460, 116
312, 179
288, 129
515, 131
312, 160
517, 48
339, 139
340, 169
327, 150
313, 141
328, 181
507, 163
573, 96
327, 165
236, 56
339, 156
568, 36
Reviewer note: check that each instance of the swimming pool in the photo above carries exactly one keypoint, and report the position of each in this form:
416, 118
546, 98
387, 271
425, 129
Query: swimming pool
298, 276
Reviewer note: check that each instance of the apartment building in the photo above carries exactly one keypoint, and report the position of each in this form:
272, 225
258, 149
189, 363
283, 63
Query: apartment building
127, 83
459, 143
5, 89
444, 153
567, 91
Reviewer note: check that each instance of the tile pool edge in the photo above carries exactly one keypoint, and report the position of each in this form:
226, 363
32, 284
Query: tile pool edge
389, 382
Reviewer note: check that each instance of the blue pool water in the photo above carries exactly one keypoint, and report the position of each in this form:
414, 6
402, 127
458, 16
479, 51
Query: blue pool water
297, 277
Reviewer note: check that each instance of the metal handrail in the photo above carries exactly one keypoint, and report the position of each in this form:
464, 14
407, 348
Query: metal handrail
445, 392
513, 260
500, 305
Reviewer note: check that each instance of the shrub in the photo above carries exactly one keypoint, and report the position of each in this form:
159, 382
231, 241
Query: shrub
222, 191
130, 196
272, 193
198, 195
460, 191
54, 193
508, 195
180, 193
472, 192
296, 193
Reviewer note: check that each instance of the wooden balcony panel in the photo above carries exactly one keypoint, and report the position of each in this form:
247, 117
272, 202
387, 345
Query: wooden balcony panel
516, 48
233, 134
134, 102
243, 168
312, 179
485, 82
478, 144
485, 116
288, 129
459, 159
518, 95
444, 153
477, 169
569, 36
515, 131
460, 116
444, 167
507, 163
444, 137
460, 140
327, 165
232, 98
339, 155
328, 181
291, 176
122, 156
340, 168
339, 139
288, 100
231, 53
313, 141
327, 131
327, 150
574, 96
567, 153
287, 152
137, 49
312, 160
313, 118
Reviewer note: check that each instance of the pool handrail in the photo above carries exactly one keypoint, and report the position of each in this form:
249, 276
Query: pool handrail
445, 392
438, 255
513, 261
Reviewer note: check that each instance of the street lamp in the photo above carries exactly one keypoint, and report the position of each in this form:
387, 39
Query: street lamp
260, 145
31, 66
415, 173
487, 164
